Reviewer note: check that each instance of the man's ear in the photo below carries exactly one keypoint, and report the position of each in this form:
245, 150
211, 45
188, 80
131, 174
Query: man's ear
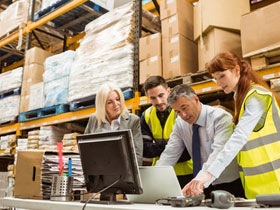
195, 97
168, 90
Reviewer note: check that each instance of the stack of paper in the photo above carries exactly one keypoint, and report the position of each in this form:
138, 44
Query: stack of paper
50, 168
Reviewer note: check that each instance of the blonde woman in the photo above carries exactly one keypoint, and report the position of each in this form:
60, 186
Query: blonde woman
112, 114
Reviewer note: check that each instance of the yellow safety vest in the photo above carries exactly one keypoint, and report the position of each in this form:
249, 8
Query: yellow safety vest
182, 168
259, 159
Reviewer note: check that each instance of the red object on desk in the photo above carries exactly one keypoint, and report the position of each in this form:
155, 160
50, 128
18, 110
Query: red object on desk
60, 156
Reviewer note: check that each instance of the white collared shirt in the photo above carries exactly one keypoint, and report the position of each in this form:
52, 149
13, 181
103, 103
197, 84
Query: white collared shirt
115, 125
215, 129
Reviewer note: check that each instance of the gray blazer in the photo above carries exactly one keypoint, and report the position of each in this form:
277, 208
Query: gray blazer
129, 121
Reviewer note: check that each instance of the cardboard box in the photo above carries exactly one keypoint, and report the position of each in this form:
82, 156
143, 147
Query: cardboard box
36, 96
32, 74
150, 46
28, 174
177, 24
260, 30
259, 62
36, 55
217, 41
150, 67
179, 56
275, 84
260, 4
169, 8
218, 13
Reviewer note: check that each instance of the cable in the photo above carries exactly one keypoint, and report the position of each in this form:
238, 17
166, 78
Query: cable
92, 197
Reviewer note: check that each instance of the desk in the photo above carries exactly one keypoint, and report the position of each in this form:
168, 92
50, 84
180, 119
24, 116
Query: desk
51, 205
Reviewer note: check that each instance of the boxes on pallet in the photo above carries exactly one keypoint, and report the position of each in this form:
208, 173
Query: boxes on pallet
150, 67
260, 30
32, 74
36, 55
169, 8
216, 41
179, 56
14, 16
218, 13
149, 46
11, 80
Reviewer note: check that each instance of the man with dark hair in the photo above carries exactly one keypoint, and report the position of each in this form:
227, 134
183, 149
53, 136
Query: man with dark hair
203, 130
156, 126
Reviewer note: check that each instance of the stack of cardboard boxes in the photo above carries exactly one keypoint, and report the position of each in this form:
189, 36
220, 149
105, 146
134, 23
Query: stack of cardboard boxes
150, 56
217, 27
260, 34
179, 50
32, 96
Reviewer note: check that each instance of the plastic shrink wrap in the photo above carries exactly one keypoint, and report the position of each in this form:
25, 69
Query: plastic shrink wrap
105, 54
56, 78
10, 80
9, 108
14, 16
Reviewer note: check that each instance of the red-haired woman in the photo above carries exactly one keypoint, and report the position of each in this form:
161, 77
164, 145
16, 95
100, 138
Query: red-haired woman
256, 138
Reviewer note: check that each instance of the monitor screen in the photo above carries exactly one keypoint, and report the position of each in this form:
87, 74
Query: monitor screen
108, 158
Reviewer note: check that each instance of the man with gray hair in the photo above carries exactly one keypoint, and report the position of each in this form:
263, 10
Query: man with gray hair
203, 130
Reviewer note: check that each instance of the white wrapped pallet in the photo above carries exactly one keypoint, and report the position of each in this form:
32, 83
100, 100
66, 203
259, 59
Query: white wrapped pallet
15, 15
56, 92
105, 54
11, 80
9, 108
56, 78
58, 66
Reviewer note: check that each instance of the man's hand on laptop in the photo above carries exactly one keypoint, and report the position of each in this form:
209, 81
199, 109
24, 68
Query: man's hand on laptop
195, 187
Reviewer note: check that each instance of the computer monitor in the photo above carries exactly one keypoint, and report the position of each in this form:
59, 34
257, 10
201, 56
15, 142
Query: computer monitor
110, 157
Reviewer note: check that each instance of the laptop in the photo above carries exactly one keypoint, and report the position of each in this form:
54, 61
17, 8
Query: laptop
158, 182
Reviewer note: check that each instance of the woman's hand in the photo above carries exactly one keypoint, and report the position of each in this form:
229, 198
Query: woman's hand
195, 187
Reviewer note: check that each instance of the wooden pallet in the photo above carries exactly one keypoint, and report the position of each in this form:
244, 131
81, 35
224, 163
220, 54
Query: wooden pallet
43, 112
265, 59
10, 93
89, 101
189, 79
11, 121
13, 31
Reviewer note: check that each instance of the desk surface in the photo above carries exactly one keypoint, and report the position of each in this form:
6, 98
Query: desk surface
50, 205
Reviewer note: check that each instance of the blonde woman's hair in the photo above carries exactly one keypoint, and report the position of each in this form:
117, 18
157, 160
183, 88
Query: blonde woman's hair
101, 98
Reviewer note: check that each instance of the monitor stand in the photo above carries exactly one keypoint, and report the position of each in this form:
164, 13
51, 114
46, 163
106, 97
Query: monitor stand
109, 198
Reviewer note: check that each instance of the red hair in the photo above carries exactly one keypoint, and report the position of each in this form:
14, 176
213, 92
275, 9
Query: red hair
228, 60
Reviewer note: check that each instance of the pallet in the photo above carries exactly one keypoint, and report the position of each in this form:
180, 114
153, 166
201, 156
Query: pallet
190, 78
11, 121
13, 31
89, 101
60, 3
43, 112
265, 59
10, 93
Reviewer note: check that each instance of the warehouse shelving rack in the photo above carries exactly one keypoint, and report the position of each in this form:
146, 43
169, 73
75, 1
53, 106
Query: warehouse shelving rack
202, 88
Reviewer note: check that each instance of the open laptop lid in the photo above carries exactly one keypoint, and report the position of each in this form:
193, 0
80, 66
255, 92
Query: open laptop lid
158, 182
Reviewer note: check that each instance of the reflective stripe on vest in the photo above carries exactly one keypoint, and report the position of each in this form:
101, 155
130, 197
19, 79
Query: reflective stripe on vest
182, 168
259, 159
